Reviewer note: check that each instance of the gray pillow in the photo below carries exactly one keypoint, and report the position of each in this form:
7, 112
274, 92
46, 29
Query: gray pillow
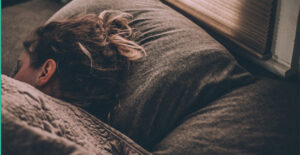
185, 68
260, 118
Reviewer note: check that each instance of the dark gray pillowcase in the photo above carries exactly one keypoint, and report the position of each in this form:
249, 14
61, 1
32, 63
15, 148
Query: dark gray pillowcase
184, 70
260, 118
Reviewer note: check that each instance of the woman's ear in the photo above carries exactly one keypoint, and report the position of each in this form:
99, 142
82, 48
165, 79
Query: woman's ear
46, 73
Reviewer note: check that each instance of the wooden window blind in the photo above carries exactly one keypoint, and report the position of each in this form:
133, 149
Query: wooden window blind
247, 23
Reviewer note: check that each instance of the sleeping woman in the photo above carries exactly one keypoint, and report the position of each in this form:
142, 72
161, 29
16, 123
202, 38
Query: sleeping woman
81, 59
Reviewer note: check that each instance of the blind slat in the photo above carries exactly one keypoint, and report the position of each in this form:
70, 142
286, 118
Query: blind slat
245, 22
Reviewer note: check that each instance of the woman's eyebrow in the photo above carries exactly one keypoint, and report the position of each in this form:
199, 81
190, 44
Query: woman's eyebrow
19, 62
17, 68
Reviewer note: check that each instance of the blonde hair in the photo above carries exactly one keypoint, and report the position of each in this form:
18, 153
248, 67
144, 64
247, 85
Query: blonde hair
91, 51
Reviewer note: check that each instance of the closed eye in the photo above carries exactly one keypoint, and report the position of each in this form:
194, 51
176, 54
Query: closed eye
17, 69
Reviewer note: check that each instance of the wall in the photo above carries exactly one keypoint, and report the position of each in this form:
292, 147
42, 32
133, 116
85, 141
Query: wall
284, 41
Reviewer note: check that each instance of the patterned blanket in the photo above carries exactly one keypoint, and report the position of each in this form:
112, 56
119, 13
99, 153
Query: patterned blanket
35, 123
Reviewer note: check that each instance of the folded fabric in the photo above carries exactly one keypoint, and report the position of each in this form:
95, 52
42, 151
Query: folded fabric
35, 123
184, 70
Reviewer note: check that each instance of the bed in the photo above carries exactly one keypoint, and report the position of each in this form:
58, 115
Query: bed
188, 96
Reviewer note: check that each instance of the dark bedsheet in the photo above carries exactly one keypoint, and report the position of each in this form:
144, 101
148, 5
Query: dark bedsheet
261, 118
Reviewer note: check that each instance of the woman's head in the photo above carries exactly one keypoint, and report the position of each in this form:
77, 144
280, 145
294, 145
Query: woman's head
80, 59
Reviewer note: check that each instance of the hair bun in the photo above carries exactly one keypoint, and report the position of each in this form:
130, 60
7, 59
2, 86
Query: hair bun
115, 26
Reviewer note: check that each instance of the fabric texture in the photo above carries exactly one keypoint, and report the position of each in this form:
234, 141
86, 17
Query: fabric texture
188, 96
184, 70
260, 118
35, 123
